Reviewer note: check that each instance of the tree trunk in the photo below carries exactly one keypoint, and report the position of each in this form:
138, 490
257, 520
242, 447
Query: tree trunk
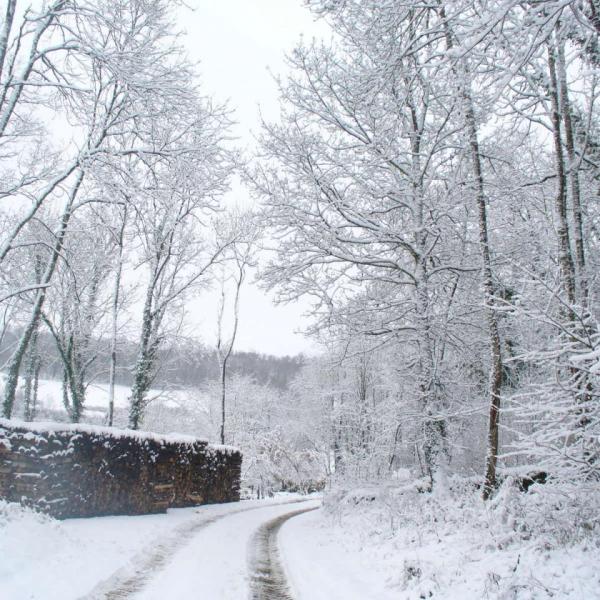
434, 428
114, 322
31, 371
435, 450
33, 360
6, 29
36, 386
144, 364
573, 173
224, 354
595, 14
65, 390
223, 394
565, 258
495, 376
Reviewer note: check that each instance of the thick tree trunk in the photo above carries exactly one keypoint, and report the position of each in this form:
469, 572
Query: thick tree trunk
77, 388
495, 375
32, 369
144, 364
72, 388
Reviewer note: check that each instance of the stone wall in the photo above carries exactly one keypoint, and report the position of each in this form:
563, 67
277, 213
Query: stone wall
84, 471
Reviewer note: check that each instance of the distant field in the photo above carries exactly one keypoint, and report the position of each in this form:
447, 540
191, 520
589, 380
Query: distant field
183, 410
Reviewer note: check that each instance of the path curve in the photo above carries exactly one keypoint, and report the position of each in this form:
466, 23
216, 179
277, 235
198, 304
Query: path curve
267, 575
129, 580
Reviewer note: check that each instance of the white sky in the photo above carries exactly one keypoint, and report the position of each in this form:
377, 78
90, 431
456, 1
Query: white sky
237, 42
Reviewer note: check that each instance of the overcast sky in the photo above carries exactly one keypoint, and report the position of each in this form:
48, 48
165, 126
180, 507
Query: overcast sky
237, 42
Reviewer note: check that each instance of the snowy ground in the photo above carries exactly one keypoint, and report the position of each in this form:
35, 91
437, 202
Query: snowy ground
370, 550
320, 565
44, 559
342, 565
362, 546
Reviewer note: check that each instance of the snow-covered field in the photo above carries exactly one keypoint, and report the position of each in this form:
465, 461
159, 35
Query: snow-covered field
182, 410
50, 396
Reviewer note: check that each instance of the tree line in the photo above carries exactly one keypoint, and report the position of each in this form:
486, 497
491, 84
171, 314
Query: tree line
433, 183
181, 363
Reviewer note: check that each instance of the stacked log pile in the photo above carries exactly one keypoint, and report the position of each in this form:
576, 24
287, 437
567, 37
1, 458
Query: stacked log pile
83, 471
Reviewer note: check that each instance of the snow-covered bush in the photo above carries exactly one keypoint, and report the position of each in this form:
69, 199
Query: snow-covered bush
550, 514
554, 428
449, 543
547, 515
278, 433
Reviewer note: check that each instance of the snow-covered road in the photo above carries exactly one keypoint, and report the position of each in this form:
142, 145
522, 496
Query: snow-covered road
268, 579
198, 553
214, 564
259, 550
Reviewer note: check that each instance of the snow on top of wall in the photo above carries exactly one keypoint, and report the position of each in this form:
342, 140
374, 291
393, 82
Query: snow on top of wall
40, 427
224, 448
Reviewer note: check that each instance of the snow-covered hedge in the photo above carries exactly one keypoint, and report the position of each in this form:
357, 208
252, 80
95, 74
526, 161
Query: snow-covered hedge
79, 471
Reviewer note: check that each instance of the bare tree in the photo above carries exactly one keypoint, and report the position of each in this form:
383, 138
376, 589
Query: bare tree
119, 234
242, 228
176, 200
356, 197
76, 316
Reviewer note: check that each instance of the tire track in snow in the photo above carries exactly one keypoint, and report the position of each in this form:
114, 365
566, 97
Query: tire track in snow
267, 575
129, 580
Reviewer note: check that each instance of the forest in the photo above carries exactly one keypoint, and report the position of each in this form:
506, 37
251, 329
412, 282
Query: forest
430, 183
